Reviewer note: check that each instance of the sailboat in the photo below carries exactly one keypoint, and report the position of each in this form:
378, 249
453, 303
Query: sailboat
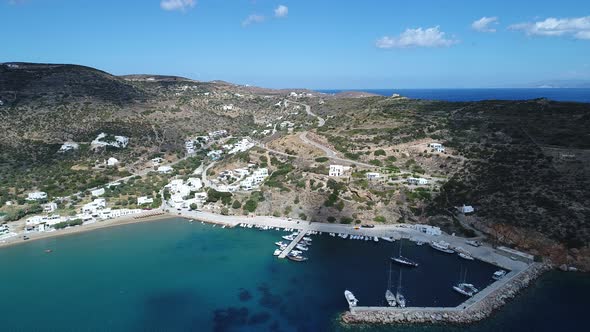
403, 260
399, 297
465, 288
389, 297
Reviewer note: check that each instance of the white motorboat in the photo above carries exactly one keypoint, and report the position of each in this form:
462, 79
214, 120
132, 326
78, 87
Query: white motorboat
465, 289
466, 256
352, 301
498, 274
442, 246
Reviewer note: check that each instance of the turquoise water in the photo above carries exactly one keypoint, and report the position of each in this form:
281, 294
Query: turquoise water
179, 276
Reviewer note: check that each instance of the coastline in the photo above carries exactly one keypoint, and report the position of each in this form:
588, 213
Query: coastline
126, 220
455, 315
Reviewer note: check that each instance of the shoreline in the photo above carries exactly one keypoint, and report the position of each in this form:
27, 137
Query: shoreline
127, 220
452, 315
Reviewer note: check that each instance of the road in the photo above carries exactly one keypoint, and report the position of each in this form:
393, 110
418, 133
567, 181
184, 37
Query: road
321, 121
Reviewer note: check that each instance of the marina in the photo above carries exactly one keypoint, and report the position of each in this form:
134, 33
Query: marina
346, 236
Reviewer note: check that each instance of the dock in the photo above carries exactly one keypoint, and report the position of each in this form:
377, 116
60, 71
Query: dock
293, 243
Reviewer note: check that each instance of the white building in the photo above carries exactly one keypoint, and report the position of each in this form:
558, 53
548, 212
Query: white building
36, 196
144, 200
373, 176
252, 181
437, 147
214, 154
93, 207
338, 170
466, 209
194, 184
227, 107
111, 162
427, 229
118, 142
241, 146
97, 192
49, 207
67, 146
165, 169
156, 161
218, 133
417, 181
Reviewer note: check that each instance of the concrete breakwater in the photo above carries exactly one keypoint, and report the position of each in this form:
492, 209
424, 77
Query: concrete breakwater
461, 314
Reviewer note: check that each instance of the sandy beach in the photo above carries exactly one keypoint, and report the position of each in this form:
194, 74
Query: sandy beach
126, 220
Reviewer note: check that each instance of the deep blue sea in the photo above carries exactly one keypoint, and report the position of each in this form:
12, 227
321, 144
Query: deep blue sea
174, 275
576, 95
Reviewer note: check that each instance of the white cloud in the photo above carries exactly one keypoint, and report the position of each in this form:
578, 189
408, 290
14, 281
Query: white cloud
254, 18
483, 24
576, 27
281, 11
180, 5
430, 37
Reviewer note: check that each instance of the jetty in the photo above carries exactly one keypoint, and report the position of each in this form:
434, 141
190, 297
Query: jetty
293, 244
474, 309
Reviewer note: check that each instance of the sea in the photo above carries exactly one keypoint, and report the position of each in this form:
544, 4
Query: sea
559, 94
177, 275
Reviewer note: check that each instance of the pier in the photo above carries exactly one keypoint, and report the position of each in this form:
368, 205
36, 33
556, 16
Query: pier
293, 243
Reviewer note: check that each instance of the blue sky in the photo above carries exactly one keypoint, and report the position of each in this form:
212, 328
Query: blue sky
309, 43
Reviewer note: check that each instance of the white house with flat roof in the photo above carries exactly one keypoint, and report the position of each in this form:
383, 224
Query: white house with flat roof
338, 170
165, 169
67, 146
144, 200
373, 176
36, 196
466, 209
437, 147
97, 192
417, 181
49, 207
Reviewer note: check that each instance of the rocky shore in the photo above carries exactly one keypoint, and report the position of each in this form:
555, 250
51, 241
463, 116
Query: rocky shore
454, 315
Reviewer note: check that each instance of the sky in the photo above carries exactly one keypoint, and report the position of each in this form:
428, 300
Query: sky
316, 44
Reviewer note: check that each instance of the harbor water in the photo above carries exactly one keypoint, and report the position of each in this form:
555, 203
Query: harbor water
175, 275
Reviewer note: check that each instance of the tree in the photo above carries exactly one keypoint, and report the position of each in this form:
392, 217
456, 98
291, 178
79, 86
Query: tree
379, 152
250, 205
194, 206
236, 205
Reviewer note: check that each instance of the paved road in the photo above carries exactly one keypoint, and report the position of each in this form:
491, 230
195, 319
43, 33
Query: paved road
321, 121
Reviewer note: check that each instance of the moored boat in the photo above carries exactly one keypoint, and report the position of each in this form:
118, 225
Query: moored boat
352, 301
403, 260
302, 247
277, 252
498, 274
465, 289
297, 258
442, 246
466, 256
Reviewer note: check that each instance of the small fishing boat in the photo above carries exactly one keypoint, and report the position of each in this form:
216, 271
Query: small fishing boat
297, 258
466, 256
498, 274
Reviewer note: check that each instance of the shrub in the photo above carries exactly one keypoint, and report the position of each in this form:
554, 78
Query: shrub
379, 152
321, 159
331, 219
236, 205
250, 205
380, 219
345, 220
302, 216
